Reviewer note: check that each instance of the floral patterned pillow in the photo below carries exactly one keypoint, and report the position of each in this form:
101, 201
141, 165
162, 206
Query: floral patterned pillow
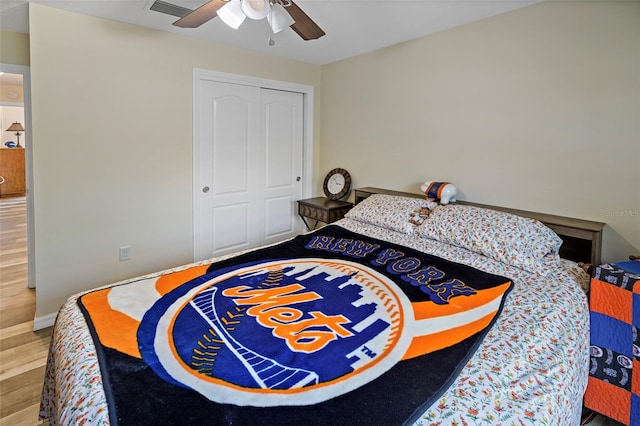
518, 241
402, 214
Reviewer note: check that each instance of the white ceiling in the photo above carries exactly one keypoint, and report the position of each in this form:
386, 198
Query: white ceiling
353, 27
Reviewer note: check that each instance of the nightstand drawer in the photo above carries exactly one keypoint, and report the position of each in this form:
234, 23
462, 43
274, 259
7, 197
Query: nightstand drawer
313, 213
322, 209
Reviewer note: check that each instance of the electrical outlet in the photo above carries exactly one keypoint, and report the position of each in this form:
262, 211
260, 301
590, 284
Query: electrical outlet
125, 253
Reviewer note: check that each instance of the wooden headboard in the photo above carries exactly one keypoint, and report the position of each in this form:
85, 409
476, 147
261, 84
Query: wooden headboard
582, 239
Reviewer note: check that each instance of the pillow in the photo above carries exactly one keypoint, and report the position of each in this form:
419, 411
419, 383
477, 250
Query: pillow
518, 241
402, 214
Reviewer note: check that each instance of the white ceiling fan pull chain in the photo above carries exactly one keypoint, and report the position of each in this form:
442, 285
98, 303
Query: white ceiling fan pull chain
270, 40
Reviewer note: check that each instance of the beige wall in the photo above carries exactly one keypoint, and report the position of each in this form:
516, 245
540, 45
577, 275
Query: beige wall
14, 48
112, 131
537, 109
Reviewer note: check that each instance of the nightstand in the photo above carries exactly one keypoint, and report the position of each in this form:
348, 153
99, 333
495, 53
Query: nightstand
322, 209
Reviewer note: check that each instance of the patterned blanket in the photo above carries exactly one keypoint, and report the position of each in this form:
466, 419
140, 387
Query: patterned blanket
331, 327
614, 374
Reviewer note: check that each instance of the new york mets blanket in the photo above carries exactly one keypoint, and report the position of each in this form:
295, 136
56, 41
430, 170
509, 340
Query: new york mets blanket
329, 328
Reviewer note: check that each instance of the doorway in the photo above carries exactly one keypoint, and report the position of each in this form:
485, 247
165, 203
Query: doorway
12, 155
12, 96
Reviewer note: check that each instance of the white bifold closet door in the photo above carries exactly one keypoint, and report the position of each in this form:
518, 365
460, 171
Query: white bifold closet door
248, 167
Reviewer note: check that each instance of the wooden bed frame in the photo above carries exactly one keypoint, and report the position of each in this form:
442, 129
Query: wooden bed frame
582, 239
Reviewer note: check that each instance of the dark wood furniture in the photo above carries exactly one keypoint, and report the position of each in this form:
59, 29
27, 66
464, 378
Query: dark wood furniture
582, 239
12, 172
322, 209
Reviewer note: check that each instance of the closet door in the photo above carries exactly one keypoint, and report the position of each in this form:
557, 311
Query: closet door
248, 160
281, 114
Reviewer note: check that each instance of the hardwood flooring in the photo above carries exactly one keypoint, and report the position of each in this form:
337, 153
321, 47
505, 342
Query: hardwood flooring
23, 352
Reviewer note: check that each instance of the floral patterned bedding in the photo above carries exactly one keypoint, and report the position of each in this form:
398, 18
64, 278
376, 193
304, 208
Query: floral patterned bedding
531, 368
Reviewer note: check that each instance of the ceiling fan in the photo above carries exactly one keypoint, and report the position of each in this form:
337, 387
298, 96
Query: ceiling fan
233, 13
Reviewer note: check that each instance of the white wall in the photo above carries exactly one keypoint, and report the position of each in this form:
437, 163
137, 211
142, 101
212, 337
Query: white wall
536, 109
112, 132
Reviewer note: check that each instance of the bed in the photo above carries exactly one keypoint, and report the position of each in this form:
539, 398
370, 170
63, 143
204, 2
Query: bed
463, 315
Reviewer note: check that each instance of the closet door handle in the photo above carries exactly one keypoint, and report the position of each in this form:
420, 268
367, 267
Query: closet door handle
1, 180
205, 189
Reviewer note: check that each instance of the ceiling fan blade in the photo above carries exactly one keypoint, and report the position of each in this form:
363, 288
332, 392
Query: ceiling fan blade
199, 16
304, 26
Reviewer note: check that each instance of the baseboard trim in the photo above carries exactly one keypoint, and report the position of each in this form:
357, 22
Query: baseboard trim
45, 321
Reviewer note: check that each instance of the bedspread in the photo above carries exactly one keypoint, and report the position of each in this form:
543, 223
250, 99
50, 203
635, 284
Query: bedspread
531, 367
614, 374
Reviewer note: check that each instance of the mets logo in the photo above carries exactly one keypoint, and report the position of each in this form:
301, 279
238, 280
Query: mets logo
292, 332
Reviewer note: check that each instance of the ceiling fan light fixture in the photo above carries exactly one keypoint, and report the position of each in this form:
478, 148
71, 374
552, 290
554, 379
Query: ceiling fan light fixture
232, 14
279, 18
256, 9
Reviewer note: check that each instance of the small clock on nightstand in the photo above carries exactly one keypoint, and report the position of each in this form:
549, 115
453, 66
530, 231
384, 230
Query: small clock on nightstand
336, 185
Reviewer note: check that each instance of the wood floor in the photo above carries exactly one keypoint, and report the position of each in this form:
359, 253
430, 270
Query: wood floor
23, 352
